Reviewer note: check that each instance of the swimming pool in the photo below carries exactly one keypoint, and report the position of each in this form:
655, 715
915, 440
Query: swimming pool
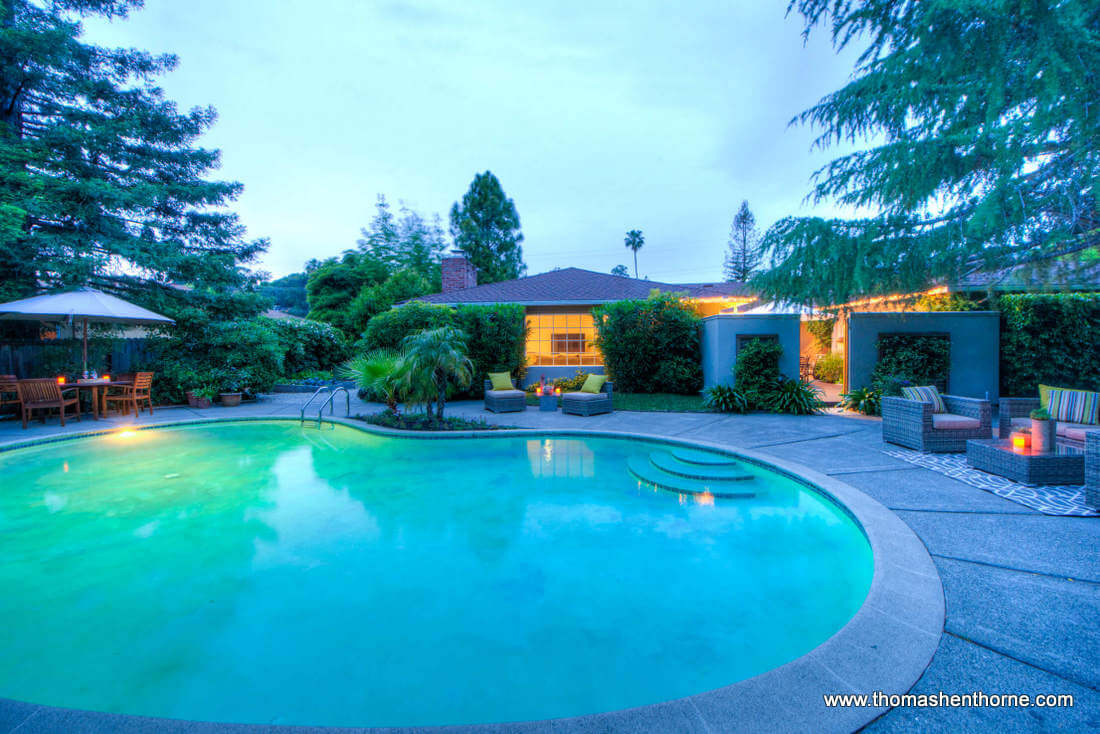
264, 572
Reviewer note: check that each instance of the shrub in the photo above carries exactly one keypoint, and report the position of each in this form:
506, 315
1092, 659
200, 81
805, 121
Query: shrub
567, 384
822, 332
651, 345
866, 400
921, 360
756, 371
425, 422
496, 338
725, 399
829, 368
387, 329
309, 345
945, 302
796, 397
1051, 339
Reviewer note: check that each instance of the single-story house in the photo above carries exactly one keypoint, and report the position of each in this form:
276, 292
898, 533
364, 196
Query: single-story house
558, 306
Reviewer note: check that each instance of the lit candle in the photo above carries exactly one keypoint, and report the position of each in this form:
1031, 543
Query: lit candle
538, 391
105, 378
61, 379
557, 391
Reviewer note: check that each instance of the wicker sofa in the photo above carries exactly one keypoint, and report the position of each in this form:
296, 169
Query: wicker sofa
911, 423
588, 403
505, 401
1015, 414
1092, 469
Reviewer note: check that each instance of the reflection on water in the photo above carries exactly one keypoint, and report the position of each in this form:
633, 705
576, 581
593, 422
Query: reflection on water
264, 572
561, 457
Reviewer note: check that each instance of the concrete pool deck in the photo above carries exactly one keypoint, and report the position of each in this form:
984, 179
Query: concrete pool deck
1022, 589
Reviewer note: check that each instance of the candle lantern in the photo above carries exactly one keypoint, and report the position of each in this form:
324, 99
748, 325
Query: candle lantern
1021, 440
61, 379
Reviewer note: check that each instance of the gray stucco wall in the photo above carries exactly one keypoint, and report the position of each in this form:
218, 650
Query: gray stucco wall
975, 346
719, 341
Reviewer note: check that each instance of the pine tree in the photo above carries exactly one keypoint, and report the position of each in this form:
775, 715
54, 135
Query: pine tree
101, 180
990, 145
485, 226
634, 241
744, 255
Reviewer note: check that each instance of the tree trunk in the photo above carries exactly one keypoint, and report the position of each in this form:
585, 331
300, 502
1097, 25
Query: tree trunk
635, 264
441, 385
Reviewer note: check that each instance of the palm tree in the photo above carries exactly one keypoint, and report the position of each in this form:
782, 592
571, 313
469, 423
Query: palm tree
433, 359
378, 373
634, 241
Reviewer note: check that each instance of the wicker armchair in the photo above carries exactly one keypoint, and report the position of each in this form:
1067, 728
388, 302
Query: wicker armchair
1009, 408
505, 401
1092, 469
588, 403
912, 424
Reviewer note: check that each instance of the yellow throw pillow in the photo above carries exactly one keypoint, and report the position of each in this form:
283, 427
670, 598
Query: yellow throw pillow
1044, 396
501, 381
593, 383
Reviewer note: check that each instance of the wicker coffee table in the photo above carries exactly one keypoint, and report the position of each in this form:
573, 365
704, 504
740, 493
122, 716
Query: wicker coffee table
1064, 465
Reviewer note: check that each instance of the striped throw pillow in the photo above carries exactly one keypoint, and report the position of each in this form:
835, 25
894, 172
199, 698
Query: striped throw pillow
1074, 406
926, 394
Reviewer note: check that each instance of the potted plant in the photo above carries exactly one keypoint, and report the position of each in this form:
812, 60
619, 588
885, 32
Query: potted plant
202, 397
1042, 431
231, 392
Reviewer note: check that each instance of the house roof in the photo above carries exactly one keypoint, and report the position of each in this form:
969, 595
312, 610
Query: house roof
1045, 274
577, 286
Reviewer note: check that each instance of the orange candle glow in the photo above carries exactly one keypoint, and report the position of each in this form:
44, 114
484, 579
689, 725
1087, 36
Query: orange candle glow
538, 391
61, 379
1021, 441
105, 378
557, 391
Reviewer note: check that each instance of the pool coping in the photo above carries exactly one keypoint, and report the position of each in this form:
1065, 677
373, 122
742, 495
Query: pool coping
885, 646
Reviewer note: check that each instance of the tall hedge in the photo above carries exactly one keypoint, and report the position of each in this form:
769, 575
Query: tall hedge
651, 346
1053, 339
496, 336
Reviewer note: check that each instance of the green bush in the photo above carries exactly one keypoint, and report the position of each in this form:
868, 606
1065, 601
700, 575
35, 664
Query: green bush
756, 372
231, 356
309, 345
829, 368
387, 329
866, 400
496, 340
796, 397
1051, 339
496, 336
917, 359
725, 399
651, 346
567, 384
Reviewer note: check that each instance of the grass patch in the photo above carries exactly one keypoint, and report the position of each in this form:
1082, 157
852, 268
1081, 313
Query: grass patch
422, 422
650, 402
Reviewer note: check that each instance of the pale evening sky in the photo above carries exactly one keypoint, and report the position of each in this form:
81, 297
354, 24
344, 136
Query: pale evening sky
596, 117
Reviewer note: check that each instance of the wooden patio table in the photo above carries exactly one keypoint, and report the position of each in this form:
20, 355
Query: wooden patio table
99, 400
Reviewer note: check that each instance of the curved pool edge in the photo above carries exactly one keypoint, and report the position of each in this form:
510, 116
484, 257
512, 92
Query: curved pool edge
885, 646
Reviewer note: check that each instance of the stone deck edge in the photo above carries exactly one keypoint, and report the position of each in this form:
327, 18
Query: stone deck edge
885, 646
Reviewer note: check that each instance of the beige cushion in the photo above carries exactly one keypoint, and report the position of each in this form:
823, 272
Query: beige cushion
585, 396
505, 393
948, 421
1073, 431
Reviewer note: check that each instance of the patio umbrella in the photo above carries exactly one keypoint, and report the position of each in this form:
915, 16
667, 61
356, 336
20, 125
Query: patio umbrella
86, 304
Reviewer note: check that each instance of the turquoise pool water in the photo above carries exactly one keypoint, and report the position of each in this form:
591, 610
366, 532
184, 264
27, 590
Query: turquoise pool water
263, 572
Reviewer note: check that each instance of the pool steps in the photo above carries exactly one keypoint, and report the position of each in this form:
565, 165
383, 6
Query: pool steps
726, 478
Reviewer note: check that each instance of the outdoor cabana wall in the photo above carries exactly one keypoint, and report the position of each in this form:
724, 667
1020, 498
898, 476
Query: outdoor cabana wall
720, 338
975, 346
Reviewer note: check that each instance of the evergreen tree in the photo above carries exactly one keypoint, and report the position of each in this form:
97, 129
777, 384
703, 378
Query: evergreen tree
990, 145
101, 180
485, 226
634, 241
744, 255
409, 242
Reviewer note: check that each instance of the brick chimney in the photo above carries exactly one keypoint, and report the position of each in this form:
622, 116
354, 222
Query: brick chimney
458, 272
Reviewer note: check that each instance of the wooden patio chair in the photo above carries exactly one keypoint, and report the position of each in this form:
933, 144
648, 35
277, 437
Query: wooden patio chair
9, 392
43, 395
132, 396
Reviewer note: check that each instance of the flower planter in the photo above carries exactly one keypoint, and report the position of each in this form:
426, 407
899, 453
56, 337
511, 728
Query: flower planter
1043, 436
199, 402
230, 399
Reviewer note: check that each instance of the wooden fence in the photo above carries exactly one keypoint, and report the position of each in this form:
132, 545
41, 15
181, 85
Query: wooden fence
47, 359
